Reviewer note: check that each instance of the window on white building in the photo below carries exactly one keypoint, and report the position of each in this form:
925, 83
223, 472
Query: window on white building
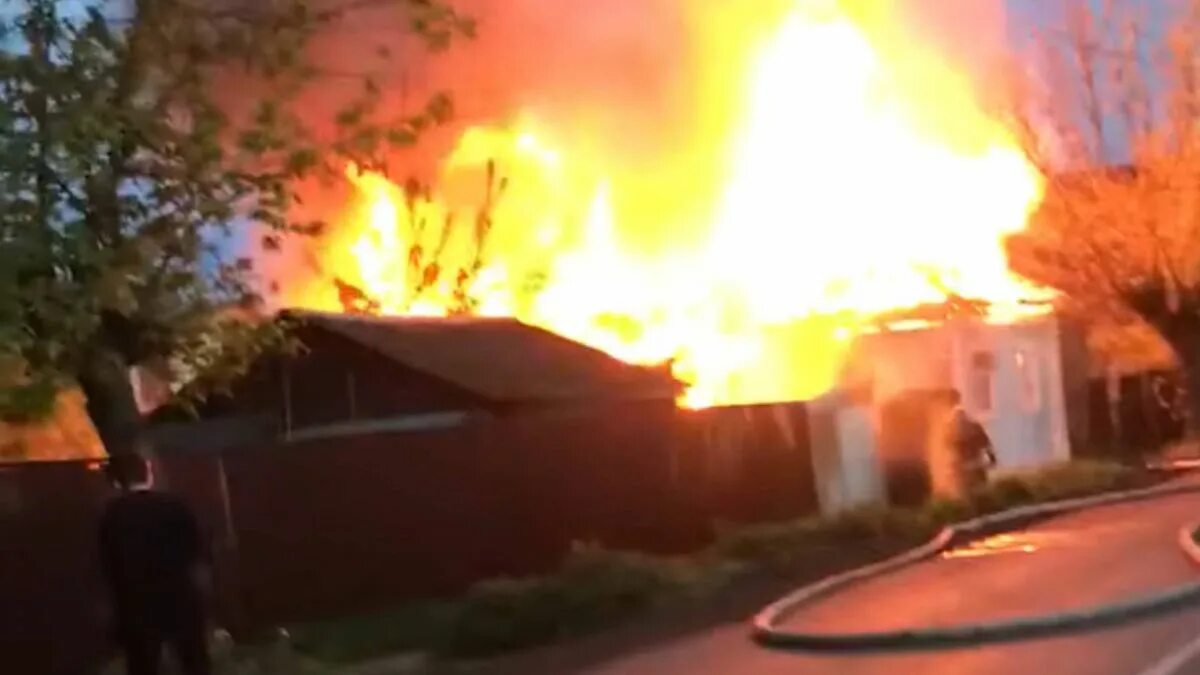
981, 382
1029, 380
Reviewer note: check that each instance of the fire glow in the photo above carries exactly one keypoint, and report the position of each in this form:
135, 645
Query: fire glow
824, 177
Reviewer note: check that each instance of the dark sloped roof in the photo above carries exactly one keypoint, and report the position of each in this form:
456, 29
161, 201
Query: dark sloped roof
499, 359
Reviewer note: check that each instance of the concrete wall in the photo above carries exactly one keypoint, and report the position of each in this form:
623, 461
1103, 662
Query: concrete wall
846, 463
862, 480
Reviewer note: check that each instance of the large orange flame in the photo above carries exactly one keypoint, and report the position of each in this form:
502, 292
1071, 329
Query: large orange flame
826, 177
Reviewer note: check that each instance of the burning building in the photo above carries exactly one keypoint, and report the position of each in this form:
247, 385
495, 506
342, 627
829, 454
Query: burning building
796, 174
360, 375
818, 163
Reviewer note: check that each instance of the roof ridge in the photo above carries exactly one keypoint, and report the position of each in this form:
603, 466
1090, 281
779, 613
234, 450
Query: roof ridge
499, 358
386, 319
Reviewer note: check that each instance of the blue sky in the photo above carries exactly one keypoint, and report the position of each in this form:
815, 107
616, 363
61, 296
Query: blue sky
1027, 15
1028, 11
1025, 9
1024, 14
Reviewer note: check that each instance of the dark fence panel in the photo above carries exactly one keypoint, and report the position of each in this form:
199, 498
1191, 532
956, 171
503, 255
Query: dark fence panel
747, 463
1164, 396
906, 424
1131, 413
330, 526
310, 530
51, 594
1101, 432
199, 479
1144, 414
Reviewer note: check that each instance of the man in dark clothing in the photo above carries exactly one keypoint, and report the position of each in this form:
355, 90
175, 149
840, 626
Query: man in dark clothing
152, 558
970, 446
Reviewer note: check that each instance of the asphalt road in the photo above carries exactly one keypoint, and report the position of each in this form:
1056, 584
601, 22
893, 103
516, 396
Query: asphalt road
1073, 561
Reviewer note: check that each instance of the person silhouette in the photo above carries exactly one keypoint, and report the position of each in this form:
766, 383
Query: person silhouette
153, 560
970, 445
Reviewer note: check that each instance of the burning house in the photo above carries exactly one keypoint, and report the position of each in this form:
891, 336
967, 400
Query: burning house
358, 375
767, 211
816, 166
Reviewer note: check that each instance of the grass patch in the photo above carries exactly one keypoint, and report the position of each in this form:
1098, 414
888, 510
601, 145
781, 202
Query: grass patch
597, 588
414, 627
1051, 484
594, 588
780, 546
279, 657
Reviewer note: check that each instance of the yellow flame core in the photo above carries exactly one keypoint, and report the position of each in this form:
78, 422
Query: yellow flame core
850, 182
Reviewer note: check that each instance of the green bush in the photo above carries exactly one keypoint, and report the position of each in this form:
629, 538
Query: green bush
506, 614
854, 525
942, 511
770, 543
275, 657
1079, 479
597, 587
413, 627
1053, 483
1001, 495
781, 545
594, 587
784, 542
887, 523
1012, 492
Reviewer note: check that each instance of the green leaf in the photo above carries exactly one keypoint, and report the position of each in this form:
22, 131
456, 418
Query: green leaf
401, 138
440, 108
301, 161
165, 132
29, 402
114, 293
350, 116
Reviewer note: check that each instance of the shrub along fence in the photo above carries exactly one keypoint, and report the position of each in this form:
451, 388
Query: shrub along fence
595, 588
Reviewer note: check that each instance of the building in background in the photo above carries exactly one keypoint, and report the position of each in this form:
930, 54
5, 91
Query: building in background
358, 375
873, 437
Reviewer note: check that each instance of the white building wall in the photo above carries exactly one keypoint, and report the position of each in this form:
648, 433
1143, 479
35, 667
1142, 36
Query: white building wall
1026, 418
862, 475
846, 463
893, 363
1023, 407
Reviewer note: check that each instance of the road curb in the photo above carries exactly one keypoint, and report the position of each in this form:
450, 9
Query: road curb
1187, 542
765, 625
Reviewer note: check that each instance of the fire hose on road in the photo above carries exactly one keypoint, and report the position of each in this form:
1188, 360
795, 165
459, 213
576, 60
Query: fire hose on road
767, 624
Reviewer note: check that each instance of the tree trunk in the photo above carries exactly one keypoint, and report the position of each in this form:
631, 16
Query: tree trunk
111, 404
1187, 351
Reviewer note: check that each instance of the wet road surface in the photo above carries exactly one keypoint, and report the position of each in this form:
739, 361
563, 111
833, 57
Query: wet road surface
1070, 562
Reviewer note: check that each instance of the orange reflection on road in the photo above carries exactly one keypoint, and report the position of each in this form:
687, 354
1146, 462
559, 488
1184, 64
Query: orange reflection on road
995, 545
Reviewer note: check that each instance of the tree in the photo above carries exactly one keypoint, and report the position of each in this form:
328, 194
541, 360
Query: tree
1111, 118
124, 175
428, 268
